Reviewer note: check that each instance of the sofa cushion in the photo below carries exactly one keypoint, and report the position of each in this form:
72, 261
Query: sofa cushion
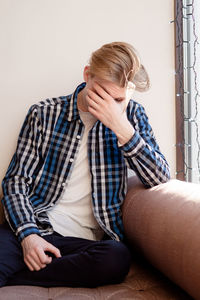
143, 282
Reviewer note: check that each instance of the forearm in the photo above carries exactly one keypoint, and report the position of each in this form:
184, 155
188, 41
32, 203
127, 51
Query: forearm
17, 207
147, 161
18, 181
20, 216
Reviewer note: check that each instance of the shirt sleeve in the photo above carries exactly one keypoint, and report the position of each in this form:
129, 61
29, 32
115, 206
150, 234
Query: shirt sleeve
142, 153
19, 178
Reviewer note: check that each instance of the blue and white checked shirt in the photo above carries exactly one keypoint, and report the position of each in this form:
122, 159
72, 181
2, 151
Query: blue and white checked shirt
47, 147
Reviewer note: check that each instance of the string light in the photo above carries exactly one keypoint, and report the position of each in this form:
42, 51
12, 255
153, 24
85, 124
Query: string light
180, 173
187, 94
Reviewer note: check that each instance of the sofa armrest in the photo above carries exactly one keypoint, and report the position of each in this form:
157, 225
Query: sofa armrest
163, 223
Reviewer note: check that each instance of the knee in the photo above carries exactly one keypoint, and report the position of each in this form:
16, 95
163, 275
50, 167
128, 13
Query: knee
2, 281
116, 262
11, 256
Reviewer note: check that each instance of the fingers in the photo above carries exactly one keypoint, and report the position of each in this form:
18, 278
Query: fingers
53, 250
98, 98
34, 248
43, 258
94, 108
98, 93
91, 102
37, 259
29, 265
93, 97
102, 92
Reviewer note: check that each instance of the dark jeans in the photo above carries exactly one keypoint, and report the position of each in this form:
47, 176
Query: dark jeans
84, 263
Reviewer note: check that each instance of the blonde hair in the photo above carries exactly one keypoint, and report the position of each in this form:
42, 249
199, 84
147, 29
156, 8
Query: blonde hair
119, 62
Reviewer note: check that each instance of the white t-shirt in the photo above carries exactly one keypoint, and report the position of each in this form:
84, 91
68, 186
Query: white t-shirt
73, 214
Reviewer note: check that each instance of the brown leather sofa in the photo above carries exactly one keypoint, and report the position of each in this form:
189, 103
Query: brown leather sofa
162, 226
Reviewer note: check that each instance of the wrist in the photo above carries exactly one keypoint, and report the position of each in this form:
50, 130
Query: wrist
124, 133
28, 237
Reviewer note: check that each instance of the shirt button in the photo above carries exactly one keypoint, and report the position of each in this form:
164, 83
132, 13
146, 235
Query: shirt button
71, 160
52, 204
63, 184
78, 137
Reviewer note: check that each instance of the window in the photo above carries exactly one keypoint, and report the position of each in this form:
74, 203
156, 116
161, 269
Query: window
187, 29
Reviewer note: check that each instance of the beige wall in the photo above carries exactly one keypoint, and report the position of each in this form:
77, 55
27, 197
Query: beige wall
46, 43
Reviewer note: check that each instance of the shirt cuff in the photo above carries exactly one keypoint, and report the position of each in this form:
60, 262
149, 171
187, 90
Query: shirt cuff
133, 146
27, 229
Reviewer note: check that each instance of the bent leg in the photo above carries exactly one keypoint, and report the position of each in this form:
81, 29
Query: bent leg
11, 255
84, 263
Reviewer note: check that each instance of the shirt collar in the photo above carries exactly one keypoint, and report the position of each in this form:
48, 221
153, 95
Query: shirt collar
73, 109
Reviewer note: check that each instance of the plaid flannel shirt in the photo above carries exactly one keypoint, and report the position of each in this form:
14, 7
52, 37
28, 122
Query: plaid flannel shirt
47, 148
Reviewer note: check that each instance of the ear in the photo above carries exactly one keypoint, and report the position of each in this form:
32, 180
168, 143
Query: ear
86, 73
